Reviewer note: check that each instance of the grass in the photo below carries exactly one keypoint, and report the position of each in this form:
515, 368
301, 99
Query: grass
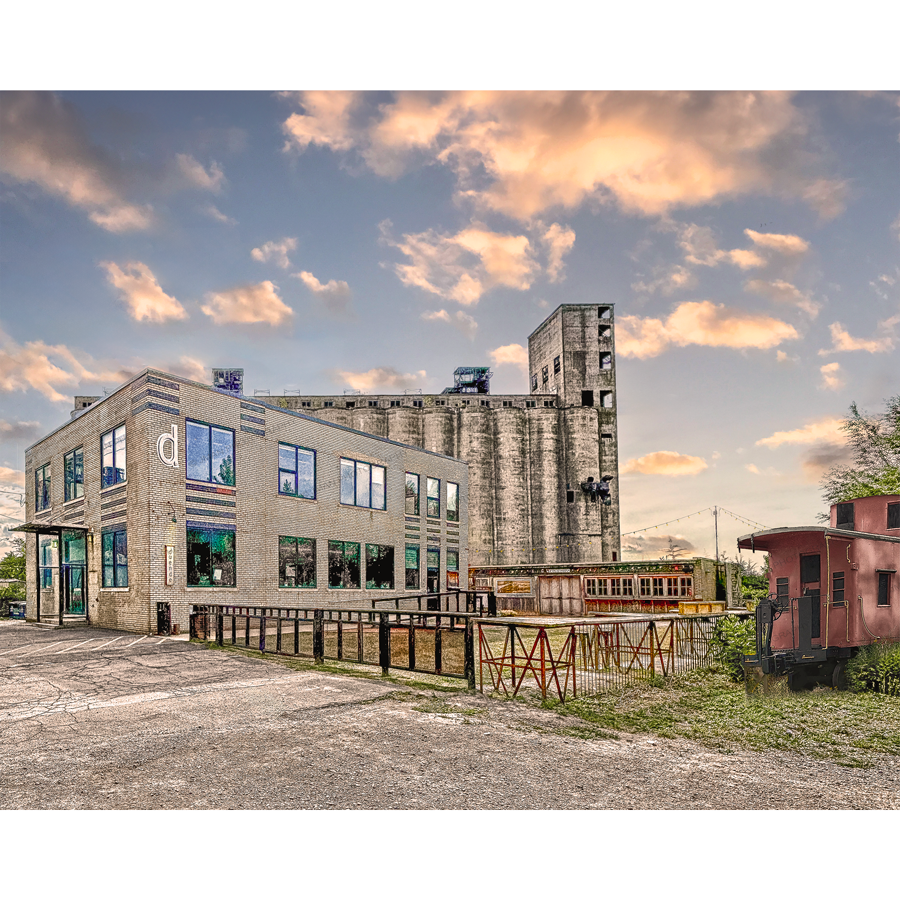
704, 706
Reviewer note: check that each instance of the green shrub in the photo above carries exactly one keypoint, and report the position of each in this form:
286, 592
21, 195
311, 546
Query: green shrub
732, 640
876, 668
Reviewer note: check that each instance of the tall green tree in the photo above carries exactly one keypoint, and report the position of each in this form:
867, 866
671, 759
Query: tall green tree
874, 441
13, 564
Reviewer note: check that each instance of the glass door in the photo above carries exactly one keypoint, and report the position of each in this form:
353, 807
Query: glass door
73, 573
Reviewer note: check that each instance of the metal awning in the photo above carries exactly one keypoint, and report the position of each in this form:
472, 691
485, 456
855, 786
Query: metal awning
48, 528
763, 540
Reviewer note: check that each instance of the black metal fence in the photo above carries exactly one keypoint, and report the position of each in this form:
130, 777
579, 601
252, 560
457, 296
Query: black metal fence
435, 642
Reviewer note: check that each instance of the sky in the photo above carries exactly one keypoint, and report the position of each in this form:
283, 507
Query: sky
336, 240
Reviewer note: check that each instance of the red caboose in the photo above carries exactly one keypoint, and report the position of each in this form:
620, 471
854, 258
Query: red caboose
832, 590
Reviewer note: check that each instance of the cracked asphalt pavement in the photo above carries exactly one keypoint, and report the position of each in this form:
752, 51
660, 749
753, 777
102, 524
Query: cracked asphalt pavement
96, 719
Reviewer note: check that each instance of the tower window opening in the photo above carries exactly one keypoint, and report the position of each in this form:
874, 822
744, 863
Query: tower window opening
587, 398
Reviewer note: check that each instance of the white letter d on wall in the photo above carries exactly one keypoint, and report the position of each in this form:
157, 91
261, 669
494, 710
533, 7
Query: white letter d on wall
162, 442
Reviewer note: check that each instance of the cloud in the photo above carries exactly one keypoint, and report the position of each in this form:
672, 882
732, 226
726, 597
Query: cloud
669, 544
248, 304
510, 355
44, 368
521, 153
19, 431
214, 212
43, 142
463, 266
829, 429
190, 368
826, 196
842, 341
559, 240
461, 321
335, 295
700, 249
12, 476
754, 470
831, 379
784, 292
141, 293
383, 377
785, 244
276, 251
702, 323
676, 278
665, 462
817, 460
196, 176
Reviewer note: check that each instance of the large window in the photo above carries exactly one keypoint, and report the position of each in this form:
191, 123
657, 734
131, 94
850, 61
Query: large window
115, 558
47, 553
210, 557
412, 566
433, 504
42, 488
433, 570
112, 457
452, 502
844, 516
343, 564
73, 470
412, 494
296, 562
362, 484
210, 453
296, 471
379, 567
884, 588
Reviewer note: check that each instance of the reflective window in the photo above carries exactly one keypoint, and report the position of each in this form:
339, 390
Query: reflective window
453, 560
379, 567
115, 558
433, 570
412, 566
296, 471
296, 562
73, 470
343, 564
452, 502
112, 457
209, 453
210, 557
433, 504
412, 494
42, 488
363, 484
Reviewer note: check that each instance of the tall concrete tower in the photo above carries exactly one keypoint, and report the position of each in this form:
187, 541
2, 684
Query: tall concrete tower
572, 354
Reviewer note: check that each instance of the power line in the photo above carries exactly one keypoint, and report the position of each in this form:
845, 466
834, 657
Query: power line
671, 521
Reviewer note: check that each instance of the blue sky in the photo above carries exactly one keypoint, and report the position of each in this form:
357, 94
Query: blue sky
328, 240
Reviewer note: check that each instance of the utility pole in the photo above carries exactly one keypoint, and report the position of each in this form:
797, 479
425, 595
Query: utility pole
716, 517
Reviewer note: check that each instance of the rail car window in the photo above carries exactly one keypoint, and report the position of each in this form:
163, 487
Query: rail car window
837, 589
781, 592
884, 588
844, 516
893, 515
810, 569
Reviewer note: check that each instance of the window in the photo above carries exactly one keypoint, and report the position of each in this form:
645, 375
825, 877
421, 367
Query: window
604, 312
112, 453
328, 404
379, 567
42, 488
556, 366
417, 403
605, 361
530, 404
485, 402
395, 403
412, 494
844, 516
606, 436
893, 515
73, 471
570, 496
781, 592
350, 404
548, 403
884, 588
837, 589
210, 557
433, 504
810, 568
678, 587
587, 398
506, 403
534, 382
440, 402
305, 404
296, 471
47, 561
606, 399
343, 564
452, 502
594, 587
652, 587
373, 403
115, 558
453, 560
412, 566
603, 331
362, 484
545, 375
433, 570
210, 453
296, 562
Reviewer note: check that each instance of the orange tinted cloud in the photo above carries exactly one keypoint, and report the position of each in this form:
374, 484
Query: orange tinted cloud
831, 378
383, 377
334, 295
11, 476
461, 321
702, 323
782, 291
829, 429
248, 304
277, 251
522, 153
510, 355
843, 341
141, 293
785, 244
665, 462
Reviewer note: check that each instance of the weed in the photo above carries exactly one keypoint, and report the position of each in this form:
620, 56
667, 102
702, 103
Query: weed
876, 668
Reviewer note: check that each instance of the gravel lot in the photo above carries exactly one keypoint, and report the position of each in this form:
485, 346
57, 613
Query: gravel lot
93, 719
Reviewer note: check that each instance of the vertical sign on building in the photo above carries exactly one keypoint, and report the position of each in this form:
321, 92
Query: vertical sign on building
229, 380
170, 564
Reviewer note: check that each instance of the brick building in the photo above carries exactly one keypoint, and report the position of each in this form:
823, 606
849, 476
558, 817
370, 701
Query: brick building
168, 491
529, 455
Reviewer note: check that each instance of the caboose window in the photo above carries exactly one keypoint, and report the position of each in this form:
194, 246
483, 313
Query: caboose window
893, 520
884, 588
837, 589
844, 516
